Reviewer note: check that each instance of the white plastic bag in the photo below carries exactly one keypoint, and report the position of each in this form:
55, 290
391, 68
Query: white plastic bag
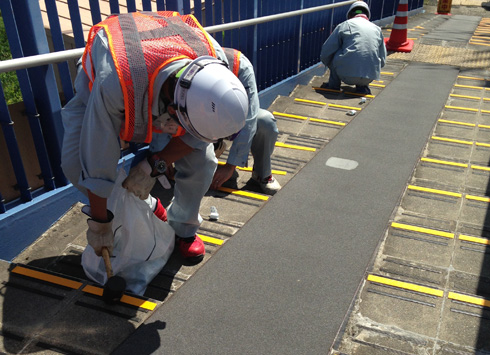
142, 242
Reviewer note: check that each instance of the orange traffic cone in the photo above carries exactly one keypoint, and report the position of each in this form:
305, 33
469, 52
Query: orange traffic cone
398, 41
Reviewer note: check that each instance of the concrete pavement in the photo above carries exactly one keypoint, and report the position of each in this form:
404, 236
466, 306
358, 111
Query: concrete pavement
376, 244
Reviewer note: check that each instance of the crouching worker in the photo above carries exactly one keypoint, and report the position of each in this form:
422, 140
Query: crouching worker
150, 77
258, 136
355, 51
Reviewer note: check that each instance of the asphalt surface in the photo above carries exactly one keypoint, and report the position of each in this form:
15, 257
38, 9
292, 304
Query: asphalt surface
377, 243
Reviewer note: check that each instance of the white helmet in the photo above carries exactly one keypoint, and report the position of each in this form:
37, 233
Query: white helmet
359, 5
211, 102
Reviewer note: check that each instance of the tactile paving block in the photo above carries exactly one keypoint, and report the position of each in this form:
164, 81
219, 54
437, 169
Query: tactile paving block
478, 180
450, 173
481, 155
449, 149
419, 244
468, 324
452, 115
431, 204
404, 309
475, 211
455, 129
472, 259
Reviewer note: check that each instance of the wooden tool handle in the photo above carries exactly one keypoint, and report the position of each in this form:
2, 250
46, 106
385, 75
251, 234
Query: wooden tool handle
107, 262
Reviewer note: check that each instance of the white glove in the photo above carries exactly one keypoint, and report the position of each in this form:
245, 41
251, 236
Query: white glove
99, 234
139, 181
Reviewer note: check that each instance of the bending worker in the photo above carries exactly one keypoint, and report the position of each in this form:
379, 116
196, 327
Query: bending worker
355, 51
152, 78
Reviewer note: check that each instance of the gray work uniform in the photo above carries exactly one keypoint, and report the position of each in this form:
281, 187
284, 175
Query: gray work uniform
91, 149
355, 53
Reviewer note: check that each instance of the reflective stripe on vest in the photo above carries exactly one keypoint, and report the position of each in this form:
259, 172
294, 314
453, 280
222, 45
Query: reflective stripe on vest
142, 43
233, 57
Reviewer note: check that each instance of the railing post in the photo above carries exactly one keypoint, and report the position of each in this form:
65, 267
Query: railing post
176, 5
33, 39
255, 45
13, 149
28, 97
300, 36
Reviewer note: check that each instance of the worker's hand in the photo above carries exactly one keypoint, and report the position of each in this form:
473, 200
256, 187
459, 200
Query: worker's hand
223, 173
139, 180
100, 235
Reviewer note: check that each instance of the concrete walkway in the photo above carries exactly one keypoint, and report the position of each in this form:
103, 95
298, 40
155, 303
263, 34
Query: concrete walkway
377, 243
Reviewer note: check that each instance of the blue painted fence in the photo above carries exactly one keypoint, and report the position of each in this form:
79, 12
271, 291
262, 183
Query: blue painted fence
278, 50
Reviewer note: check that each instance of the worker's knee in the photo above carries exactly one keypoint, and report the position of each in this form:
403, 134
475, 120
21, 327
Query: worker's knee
266, 123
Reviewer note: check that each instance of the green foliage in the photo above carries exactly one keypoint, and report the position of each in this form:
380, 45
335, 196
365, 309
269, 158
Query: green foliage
9, 80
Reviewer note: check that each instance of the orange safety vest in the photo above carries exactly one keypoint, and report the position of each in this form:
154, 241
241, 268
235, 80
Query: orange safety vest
233, 57
142, 43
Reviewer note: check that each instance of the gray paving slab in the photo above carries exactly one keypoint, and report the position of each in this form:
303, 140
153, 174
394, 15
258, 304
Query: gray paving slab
456, 28
271, 289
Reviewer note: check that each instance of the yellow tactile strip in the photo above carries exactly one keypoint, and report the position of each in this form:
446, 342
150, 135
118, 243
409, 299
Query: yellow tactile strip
305, 118
427, 190
481, 37
77, 285
456, 296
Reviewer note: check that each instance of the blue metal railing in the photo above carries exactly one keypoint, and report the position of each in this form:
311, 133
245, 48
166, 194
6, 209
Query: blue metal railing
278, 50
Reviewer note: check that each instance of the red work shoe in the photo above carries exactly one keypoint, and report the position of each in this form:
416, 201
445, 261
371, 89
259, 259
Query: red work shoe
160, 211
192, 249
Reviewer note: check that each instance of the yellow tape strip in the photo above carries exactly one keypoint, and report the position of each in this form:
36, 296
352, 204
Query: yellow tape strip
98, 291
133, 301
297, 147
47, 277
211, 240
479, 167
138, 302
405, 285
483, 126
244, 193
444, 162
458, 123
275, 172
377, 85
474, 239
465, 96
468, 299
93, 290
327, 121
346, 107
485, 111
479, 44
306, 118
462, 108
469, 77
467, 86
482, 144
478, 198
275, 113
311, 102
387, 73
423, 230
434, 191
452, 140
